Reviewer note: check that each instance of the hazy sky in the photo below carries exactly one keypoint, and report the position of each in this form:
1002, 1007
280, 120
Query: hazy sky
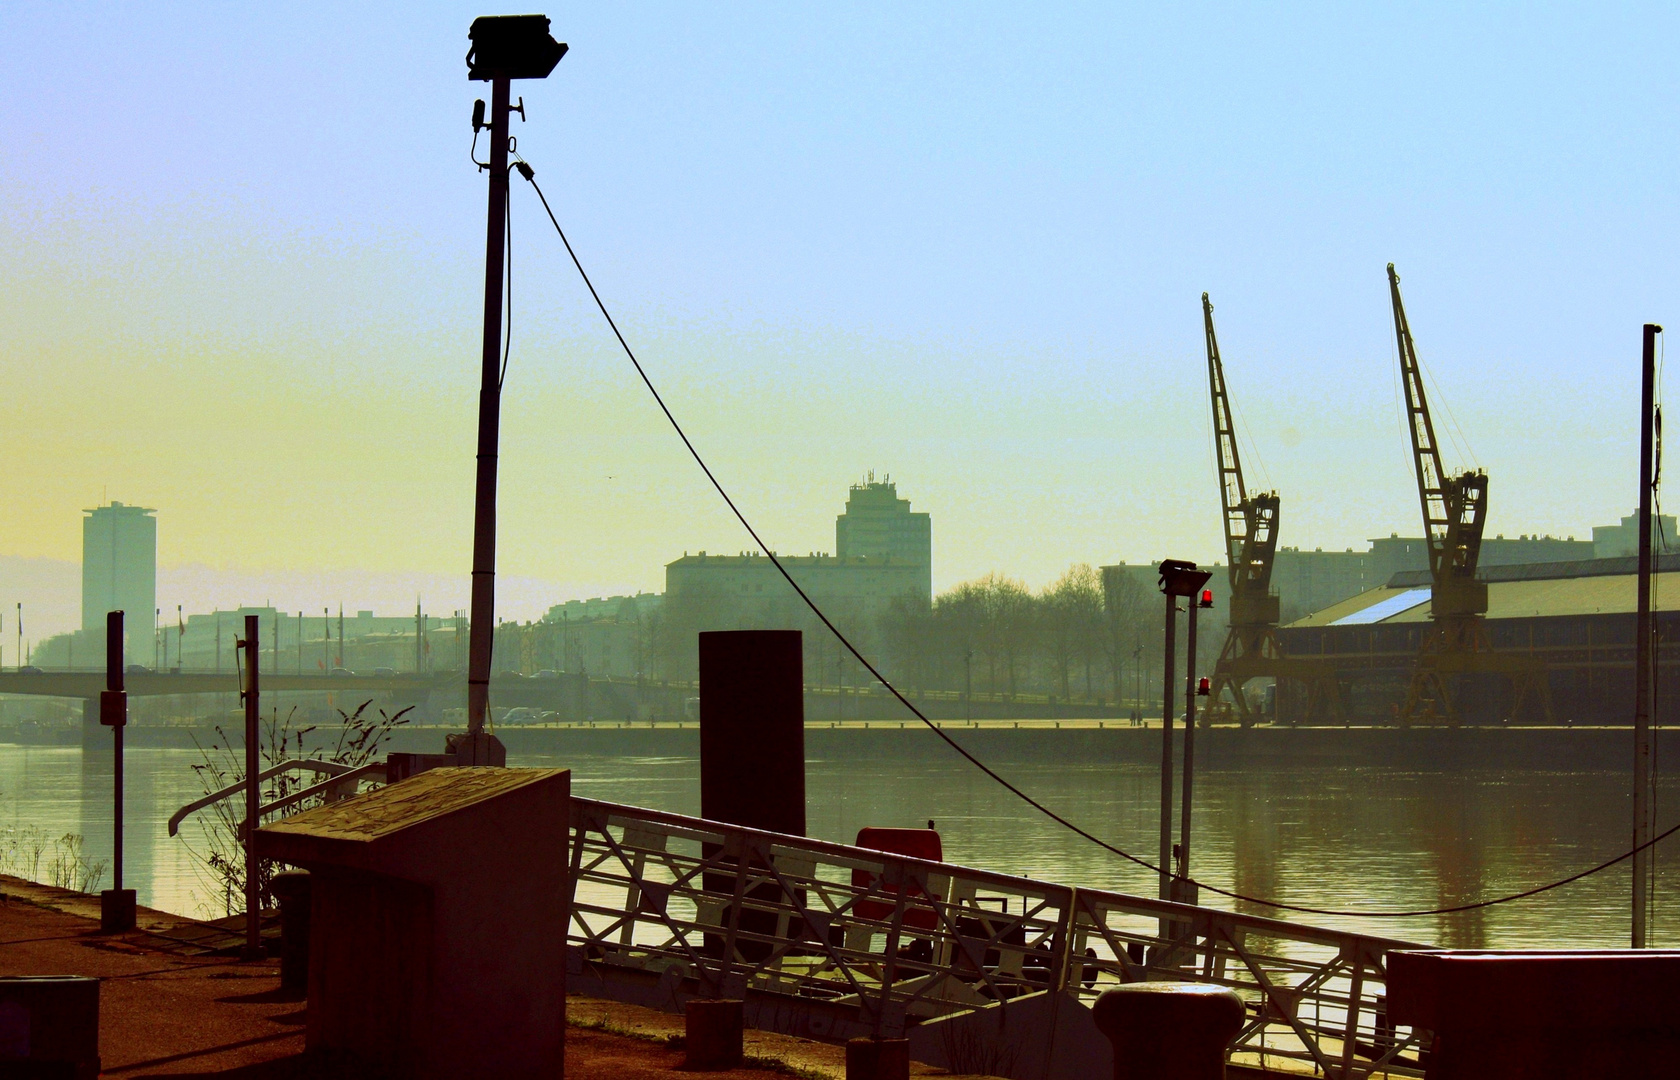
242, 250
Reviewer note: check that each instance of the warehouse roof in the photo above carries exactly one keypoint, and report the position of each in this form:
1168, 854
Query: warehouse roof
1586, 587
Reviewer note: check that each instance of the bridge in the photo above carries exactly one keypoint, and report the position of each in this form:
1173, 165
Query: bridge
88, 684
573, 696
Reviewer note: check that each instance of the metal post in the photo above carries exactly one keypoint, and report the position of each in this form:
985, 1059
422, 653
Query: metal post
116, 904
114, 684
968, 686
1189, 741
1167, 753
253, 797
1642, 666
483, 625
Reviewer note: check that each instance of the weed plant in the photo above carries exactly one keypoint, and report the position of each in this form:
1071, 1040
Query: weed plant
220, 858
29, 851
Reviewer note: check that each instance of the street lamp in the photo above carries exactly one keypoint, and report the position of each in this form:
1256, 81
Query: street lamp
504, 48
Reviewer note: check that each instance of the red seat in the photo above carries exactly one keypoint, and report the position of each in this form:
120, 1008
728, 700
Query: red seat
917, 844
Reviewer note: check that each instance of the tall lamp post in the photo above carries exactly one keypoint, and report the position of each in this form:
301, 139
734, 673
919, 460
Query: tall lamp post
504, 48
1643, 666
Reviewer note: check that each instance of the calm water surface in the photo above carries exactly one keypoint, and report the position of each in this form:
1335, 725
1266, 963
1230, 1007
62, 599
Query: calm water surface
1334, 837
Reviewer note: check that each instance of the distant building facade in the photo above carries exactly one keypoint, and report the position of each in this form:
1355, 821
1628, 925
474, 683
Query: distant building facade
747, 590
884, 556
1621, 541
641, 605
878, 524
119, 571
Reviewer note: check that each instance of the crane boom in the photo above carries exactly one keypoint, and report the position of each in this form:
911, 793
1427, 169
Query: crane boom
1250, 524
1251, 649
1454, 507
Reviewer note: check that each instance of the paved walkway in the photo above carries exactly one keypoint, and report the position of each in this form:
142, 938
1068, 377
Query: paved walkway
170, 1007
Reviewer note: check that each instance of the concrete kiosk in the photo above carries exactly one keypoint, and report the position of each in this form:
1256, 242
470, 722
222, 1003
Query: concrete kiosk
437, 944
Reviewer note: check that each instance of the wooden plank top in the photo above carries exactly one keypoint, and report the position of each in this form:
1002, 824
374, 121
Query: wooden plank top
387, 810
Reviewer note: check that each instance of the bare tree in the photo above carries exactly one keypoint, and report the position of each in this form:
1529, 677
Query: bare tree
1073, 617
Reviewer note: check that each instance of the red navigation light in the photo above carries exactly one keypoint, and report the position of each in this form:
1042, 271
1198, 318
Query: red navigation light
1202, 687
1207, 597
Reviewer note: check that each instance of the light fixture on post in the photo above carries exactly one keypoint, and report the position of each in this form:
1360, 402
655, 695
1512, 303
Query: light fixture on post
1179, 579
504, 48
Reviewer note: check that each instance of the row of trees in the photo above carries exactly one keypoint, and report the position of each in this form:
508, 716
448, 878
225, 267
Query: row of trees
1090, 635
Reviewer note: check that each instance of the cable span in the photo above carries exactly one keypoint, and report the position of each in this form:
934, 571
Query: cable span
528, 173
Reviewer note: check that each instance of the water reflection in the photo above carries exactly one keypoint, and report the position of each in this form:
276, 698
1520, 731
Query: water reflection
1333, 837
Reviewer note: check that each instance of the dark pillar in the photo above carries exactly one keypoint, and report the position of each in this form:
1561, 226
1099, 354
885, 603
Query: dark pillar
752, 729
713, 1034
1169, 1031
292, 889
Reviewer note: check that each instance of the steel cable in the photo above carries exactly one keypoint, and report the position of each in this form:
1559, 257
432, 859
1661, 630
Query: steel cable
528, 173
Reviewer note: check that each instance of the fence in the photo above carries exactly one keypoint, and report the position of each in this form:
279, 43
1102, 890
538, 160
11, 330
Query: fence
833, 941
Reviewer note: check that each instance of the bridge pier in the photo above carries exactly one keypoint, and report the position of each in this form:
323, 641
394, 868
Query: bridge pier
95, 735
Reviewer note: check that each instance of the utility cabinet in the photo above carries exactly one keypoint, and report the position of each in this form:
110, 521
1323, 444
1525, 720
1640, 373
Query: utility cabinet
438, 923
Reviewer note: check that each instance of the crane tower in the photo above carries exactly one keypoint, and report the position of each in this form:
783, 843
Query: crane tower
1454, 512
1251, 521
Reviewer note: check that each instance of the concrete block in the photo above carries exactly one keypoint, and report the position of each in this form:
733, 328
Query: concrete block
878, 1059
437, 934
1540, 1015
713, 1032
116, 910
49, 1026
1169, 1031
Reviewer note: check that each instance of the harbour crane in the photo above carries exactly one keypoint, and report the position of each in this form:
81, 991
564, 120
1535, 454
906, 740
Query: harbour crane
1251, 647
1454, 512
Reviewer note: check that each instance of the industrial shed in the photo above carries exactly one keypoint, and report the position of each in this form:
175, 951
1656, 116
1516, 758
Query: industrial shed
1577, 617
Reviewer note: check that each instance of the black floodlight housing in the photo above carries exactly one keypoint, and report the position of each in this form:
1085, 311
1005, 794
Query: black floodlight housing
1181, 578
512, 47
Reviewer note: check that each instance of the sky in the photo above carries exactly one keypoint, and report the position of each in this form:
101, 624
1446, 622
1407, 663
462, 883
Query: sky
963, 245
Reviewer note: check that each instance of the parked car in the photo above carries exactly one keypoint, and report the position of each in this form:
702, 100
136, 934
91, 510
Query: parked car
519, 716
341, 671
385, 672
138, 669
546, 673
29, 669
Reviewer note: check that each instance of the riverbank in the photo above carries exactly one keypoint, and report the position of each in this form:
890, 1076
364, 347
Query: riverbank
1572, 749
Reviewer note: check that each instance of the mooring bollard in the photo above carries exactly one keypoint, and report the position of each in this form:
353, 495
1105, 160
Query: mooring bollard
291, 888
712, 1033
878, 1059
1169, 1031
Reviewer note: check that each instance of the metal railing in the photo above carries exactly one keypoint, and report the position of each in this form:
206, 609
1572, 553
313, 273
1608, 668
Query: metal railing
342, 781
875, 943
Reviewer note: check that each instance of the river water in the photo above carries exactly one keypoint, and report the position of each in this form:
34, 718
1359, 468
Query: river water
1355, 838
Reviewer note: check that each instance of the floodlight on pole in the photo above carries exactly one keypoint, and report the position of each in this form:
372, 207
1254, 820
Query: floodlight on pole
504, 48
1179, 579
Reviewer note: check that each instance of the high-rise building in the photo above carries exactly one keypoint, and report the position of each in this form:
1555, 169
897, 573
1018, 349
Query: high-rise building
878, 524
119, 571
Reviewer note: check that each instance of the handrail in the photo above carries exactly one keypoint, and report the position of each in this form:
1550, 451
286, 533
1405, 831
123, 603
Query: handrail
326, 787
332, 768
864, 942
